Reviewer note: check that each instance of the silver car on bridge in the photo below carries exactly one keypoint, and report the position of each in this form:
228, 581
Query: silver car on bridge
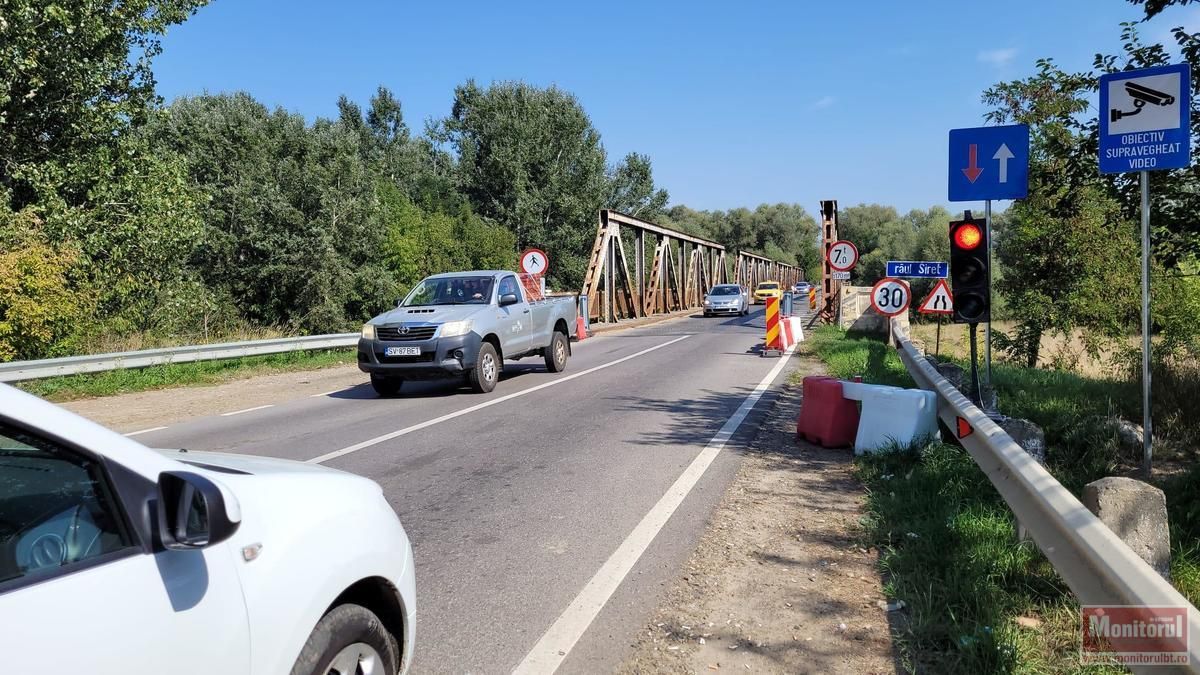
727, 299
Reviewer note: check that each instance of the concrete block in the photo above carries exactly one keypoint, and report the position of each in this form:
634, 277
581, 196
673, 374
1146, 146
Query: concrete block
1137, 513
1028, 435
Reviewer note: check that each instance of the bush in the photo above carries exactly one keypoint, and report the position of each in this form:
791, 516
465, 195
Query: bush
40, 301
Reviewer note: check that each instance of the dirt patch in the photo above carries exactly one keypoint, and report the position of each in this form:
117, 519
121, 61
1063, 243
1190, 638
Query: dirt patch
779, 582
162, 407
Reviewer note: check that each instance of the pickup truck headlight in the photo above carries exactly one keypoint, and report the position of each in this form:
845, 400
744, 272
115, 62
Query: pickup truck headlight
456, 328
368, 331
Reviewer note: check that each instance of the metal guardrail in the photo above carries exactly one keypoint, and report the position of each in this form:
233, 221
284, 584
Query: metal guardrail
75, 365
1098, 567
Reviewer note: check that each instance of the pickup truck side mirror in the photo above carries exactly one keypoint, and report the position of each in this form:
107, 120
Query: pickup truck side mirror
509, 299
191, 512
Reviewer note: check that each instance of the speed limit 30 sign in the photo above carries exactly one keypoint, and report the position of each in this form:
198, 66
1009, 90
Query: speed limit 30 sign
891, 296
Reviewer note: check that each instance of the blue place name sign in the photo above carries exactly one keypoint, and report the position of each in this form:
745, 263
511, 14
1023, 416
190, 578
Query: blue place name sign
918, 269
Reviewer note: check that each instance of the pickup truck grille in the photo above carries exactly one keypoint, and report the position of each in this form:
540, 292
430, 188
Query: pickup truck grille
396, 334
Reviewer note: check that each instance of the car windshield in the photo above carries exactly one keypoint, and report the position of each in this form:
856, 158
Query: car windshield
724, 290
768, 287
465, 290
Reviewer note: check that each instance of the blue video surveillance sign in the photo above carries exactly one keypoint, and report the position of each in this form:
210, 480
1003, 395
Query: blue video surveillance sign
1144, 119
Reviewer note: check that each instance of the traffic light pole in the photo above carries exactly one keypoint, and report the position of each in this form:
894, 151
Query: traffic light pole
987, 219
1147, 436
976, 395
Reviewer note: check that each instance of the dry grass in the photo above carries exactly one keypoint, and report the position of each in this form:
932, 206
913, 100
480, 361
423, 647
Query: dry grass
1057, 350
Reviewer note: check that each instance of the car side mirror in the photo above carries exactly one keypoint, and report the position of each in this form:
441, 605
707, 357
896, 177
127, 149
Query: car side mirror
399, 301
509, 299
191, 512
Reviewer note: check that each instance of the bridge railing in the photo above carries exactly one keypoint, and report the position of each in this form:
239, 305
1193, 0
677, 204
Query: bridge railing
680, 271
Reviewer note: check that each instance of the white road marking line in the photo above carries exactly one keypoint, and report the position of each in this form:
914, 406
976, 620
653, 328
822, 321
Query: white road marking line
328, 393
466, 411
239, 412
550, 651
144, 431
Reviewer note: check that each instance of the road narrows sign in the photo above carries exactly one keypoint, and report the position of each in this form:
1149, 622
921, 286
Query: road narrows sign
843, 256
940, 301
891, 297
534, 261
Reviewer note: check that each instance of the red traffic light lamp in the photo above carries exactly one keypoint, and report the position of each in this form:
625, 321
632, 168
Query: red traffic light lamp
970, 276
968, 236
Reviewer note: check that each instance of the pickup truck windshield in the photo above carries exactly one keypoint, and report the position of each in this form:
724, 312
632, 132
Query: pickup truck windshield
451, 291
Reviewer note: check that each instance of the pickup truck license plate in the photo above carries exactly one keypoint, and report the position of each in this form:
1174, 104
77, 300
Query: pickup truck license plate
401, 351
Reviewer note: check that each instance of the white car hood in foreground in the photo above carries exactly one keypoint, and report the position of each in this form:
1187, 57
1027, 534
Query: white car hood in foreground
251, 464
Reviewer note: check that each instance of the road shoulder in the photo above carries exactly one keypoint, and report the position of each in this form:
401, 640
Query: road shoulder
778, 582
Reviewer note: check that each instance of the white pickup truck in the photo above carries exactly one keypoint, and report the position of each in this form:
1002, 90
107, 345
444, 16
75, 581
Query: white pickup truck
465, 324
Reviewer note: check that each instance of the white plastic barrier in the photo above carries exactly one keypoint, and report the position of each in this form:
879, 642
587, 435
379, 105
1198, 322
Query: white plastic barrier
891, 415
792, 330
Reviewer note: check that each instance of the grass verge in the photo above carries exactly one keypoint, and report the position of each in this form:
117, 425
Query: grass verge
112, 382
947, 541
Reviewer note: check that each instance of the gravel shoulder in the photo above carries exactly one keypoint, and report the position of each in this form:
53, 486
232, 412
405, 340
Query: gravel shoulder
779, 582
142, 410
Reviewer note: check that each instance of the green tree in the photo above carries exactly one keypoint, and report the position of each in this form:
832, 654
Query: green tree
1070, 255
530, 159
631, 189
136, 229
292, 231
1154, 7
74, 76
41, 301
420, 243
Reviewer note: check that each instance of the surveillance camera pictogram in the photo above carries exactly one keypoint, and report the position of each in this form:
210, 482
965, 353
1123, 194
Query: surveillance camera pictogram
1143, 104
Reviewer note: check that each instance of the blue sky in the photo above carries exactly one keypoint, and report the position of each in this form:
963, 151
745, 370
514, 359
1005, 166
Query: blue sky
737, 103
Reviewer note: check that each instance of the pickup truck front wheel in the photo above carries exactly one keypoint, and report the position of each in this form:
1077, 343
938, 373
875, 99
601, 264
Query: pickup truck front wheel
556, 353
486, 371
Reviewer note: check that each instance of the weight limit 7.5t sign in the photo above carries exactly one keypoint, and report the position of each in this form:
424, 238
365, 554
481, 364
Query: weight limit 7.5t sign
1144, 119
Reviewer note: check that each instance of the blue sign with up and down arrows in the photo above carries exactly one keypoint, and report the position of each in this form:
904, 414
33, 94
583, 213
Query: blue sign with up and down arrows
989, 163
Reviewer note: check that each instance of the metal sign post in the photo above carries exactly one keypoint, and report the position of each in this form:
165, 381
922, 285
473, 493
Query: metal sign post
987, 336
1147, 435
1144, 127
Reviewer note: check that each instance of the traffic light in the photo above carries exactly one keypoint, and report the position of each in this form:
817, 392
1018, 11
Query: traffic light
970, 270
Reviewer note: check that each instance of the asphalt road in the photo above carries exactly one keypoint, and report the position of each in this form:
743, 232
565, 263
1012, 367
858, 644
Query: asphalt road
513, 506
